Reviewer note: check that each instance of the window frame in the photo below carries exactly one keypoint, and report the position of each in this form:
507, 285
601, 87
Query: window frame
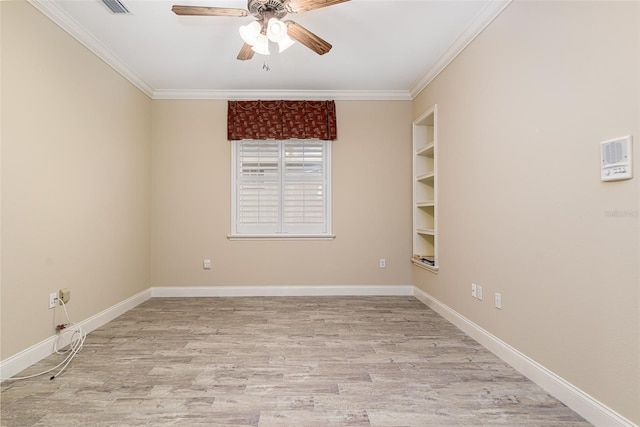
235, 234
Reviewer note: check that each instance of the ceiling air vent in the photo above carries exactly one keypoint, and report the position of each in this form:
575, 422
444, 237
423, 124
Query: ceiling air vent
116, 6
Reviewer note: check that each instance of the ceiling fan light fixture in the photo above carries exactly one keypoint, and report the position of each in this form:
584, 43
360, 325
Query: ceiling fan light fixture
276, 30
250, 32
261, 45
285, 44
268, 26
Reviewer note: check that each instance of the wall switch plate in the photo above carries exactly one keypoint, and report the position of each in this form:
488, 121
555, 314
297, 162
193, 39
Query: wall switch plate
479, 292
383, 263
498, 300
52, 299
206, 264
474, 290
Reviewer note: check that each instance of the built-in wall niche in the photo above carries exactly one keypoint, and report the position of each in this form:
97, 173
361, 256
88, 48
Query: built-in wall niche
425, 193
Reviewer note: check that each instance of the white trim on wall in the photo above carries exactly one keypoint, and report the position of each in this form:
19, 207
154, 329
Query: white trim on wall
279, 291
484, 18
22, 360
64, 21
585, 405
54, 12
338, 95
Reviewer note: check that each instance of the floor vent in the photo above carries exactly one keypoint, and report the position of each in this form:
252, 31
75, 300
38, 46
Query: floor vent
116, 6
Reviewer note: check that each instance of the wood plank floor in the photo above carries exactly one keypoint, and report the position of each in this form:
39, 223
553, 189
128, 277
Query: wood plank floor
281, 361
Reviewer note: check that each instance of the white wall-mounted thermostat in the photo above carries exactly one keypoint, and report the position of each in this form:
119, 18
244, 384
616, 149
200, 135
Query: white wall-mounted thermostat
615, 159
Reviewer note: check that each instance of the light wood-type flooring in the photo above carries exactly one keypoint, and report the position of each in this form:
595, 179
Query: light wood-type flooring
281, 361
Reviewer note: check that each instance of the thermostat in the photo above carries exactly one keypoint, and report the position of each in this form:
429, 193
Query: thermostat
615, 159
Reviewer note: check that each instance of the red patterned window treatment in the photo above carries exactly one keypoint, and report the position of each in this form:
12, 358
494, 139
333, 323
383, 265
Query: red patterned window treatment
281, 120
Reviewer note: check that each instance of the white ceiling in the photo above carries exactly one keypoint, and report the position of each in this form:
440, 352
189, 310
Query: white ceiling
382, 49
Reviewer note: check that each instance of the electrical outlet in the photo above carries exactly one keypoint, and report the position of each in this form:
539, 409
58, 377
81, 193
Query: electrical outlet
383, 263
206, 264
53, 297
474, 290
64, 295
479, 292
498, 300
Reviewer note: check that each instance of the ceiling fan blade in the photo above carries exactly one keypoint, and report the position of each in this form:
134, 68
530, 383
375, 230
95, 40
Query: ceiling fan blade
245, 52
297, 6
307, 38
208, 11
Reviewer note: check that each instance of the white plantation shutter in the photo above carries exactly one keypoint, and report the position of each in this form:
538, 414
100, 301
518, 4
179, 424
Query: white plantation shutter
281, 187
259, 186
304, 201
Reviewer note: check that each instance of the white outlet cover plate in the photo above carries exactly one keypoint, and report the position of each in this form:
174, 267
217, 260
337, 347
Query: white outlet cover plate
52, 300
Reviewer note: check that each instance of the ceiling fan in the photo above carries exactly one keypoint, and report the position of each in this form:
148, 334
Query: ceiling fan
268, 25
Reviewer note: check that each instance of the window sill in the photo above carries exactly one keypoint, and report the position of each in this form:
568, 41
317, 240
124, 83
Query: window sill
281, 236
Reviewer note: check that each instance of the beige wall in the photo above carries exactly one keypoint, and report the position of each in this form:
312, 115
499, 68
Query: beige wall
192, 192
76, 192
99, 182
75, 179
522, 209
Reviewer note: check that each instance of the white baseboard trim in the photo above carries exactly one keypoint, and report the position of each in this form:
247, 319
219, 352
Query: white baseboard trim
269, 291
22, 360
591, 409
586, 406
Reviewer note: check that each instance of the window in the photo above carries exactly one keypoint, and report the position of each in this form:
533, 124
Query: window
281, 189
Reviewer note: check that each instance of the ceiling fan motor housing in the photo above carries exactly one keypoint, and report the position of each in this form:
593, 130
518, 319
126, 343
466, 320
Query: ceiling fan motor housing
270, 8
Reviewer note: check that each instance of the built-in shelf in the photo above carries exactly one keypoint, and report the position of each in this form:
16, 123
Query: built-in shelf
425, 177
426, 262
426, 150
426, 231
425, 201
429, 204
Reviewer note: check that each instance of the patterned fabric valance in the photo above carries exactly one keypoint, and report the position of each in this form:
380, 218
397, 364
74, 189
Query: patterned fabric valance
281, 120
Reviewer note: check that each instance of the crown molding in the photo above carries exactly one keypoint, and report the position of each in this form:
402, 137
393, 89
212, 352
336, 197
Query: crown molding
52, 11
340, 95
480, 22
